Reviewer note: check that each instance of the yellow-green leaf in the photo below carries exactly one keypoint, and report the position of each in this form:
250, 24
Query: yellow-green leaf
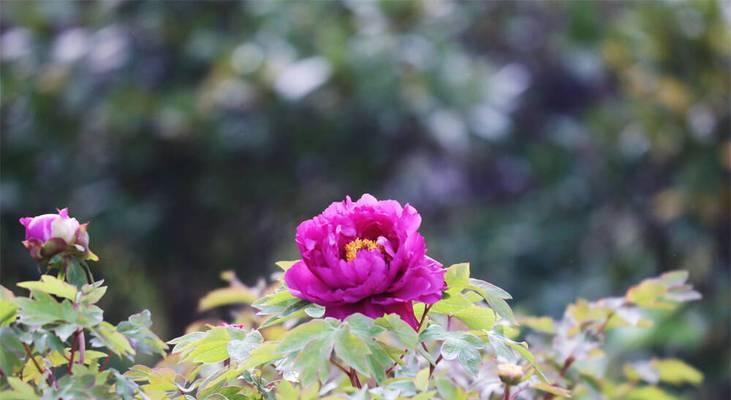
226, 296
676, 372
285, 265
554, 390
51, 285
541, 324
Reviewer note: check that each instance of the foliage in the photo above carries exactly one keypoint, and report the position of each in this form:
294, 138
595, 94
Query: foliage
465, 347
48, 338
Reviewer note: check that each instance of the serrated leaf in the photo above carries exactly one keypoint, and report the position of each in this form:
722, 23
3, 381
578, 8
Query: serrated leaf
226, 296
476, 317
315, 310
541, 324
137, 330
107, 335
421, 380
552, 389
521, 348
300, 336
91, 294
11, 351
352, 349
51, 285
43, 309
453, 302
265, 353
483, 287
676, 372
285, 265
75, 273
212, 348
20, 390
465, 348
649, 392
313, 364
286, 391
8, 312
403, 331
457, 276
239, 350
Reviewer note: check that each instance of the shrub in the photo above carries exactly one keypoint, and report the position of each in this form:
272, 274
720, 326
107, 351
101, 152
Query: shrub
464, 344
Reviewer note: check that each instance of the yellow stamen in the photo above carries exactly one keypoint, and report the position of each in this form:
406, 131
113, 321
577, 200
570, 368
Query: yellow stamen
352, 248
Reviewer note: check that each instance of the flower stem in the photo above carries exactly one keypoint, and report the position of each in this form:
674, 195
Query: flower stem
506, 392
423, 316
51, 380
82, 345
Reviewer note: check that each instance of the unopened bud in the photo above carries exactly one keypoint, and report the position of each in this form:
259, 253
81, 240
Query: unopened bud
510, 374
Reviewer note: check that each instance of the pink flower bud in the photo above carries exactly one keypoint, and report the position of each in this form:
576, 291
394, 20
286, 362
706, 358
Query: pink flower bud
49, 234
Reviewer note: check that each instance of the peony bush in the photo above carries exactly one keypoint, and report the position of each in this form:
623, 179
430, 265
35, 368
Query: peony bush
364, 313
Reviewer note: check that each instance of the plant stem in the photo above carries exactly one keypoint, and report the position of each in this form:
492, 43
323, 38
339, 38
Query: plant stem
423, 316
337, 364
506, 392
82, 345
106, 362
354, 378
74, 344
566, 365
51, 380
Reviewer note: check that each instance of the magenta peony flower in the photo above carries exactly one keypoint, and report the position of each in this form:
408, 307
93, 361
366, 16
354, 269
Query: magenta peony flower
365, 257
49, 234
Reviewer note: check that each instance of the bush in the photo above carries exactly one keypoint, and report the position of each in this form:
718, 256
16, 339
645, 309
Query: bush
467, 344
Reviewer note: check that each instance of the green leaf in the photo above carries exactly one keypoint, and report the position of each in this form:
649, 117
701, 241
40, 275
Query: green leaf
285, 265
137, 330
11, 351
352, 349
648, 294
465, 348
648, 393
212, 348
20, 390
105, 334
313, 364
476, 317
239, 350
457, 276
43, 309
51, 285
505, 347
448, 390
281, 305
421, 380
75, 273
403, 331
453, 302
91, 294
676, 372
8, 312
286, 391
265, 353
226, 296
315, 310
541, 324
300, 336
483, 288
552, 389
495, 298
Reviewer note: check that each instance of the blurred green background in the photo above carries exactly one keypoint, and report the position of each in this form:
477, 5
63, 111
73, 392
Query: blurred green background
565, 148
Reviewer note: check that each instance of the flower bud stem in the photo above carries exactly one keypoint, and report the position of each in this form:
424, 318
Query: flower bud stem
506, 392
82, 345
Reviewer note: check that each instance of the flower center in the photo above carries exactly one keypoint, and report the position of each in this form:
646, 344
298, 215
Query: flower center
352, 248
